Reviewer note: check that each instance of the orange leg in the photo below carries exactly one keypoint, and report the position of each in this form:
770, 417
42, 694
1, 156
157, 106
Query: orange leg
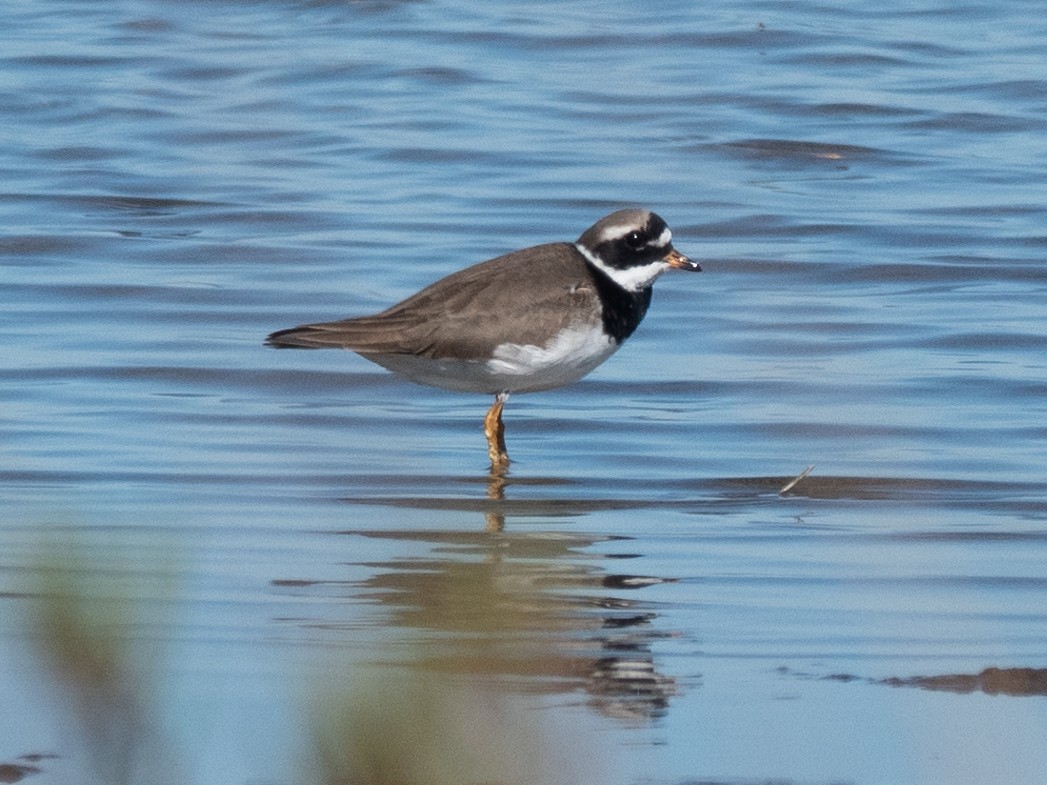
494, 430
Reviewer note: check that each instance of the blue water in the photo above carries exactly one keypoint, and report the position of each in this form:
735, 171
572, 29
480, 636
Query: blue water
866, 188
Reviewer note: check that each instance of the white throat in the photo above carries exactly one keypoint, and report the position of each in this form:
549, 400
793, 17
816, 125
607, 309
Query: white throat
632, 279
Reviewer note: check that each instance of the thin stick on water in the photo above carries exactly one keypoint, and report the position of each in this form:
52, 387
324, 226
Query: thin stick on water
792, 483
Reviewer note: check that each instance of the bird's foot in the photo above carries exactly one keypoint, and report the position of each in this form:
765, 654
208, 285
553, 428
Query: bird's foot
494, 430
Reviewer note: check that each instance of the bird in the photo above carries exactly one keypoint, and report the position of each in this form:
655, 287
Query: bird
530, 320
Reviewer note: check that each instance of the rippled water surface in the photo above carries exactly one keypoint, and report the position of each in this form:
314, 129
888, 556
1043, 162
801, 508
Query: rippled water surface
216, 557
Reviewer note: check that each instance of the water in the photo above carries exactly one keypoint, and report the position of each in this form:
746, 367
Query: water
865, 188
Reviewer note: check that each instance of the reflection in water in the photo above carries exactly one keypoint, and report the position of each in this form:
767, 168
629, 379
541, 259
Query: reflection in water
496, 481
525, 607
531, 606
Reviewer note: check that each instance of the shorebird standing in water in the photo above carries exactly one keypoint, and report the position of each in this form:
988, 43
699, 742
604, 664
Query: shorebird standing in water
530, 320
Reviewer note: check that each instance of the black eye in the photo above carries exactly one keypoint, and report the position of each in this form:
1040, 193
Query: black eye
634, 240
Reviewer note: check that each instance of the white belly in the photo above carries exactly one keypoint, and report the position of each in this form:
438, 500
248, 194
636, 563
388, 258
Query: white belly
514, 367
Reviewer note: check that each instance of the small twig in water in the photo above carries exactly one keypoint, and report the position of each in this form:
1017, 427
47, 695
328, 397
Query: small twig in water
792, 483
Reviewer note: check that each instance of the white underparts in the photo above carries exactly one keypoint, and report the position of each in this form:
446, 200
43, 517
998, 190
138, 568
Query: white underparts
568, 357
513, 367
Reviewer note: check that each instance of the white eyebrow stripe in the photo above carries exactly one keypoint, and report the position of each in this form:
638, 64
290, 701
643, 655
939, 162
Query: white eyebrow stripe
616, 232
619, 231
664, 239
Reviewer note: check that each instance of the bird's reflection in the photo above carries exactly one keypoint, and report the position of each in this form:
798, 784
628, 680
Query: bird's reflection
495, 512
526, 607
534, 607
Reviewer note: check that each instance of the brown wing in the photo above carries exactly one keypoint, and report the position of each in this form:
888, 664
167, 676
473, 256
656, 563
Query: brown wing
524, 297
